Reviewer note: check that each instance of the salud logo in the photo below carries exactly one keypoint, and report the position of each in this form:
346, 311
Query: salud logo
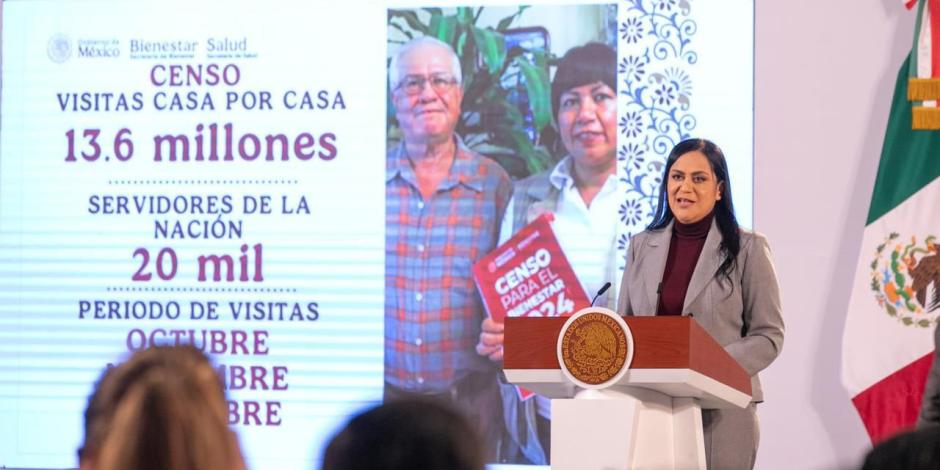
59, 48
905, 277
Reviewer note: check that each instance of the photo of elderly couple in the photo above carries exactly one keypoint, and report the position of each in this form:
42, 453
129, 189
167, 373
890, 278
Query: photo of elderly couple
495, 116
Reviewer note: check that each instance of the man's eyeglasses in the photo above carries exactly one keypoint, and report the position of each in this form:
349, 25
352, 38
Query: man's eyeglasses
414, 84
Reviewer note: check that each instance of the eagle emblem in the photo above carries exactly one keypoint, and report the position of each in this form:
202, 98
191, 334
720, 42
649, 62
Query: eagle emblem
905, 277
594, 348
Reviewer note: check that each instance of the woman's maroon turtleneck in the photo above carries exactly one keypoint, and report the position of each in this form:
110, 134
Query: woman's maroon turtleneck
684, 250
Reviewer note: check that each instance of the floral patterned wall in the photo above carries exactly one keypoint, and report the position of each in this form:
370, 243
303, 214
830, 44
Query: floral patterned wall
655, 93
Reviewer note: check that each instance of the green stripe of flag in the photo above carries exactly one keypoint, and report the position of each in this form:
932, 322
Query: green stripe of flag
910, 159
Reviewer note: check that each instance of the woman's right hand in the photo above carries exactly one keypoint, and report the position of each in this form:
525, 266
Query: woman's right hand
491, 340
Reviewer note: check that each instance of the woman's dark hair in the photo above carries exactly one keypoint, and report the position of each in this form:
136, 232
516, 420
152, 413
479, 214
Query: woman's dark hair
724, 208
583, 65
404, 435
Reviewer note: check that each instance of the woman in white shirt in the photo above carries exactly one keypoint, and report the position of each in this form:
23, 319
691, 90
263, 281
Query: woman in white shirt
584, 194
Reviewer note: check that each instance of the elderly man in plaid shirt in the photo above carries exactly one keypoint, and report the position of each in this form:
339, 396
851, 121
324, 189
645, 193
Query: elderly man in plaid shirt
443, 208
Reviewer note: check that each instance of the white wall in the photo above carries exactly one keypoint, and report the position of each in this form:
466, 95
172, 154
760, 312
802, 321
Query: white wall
824, 76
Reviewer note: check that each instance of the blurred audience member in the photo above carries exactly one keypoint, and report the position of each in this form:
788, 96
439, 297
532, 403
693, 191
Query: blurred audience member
406, 434
915, 450
162, 409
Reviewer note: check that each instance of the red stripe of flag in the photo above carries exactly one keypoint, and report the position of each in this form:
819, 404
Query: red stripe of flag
933, 8
891, 405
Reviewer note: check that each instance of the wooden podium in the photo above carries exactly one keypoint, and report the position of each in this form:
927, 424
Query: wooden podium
648, 419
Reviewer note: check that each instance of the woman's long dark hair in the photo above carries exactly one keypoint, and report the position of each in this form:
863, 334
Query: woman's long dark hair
724, 208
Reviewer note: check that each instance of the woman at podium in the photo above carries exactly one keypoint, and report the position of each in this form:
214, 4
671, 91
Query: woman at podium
695, 260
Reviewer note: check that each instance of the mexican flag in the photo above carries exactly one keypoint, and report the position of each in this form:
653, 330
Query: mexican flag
887, 347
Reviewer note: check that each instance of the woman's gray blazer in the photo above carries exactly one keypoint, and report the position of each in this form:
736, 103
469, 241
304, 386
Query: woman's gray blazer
743, 316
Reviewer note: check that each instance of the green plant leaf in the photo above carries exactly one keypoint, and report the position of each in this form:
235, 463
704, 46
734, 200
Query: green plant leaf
923, 323
541, 59
410, 17
461, 43
545, 157
492, 47
408, 34
444, 29
434, 24
511, 55
513, 135
891, 310
465, 16
534, 162
506, 22
477, 80
434, 11
536, 84
907, 320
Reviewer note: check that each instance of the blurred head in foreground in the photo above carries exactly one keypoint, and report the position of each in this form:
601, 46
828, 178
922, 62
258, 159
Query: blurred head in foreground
915, 450
403, 435
164, 408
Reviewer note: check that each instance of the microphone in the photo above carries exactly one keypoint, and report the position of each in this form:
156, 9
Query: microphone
601, 291
659, 295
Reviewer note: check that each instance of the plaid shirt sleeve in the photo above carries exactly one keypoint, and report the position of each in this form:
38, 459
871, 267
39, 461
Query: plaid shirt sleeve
432, 308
